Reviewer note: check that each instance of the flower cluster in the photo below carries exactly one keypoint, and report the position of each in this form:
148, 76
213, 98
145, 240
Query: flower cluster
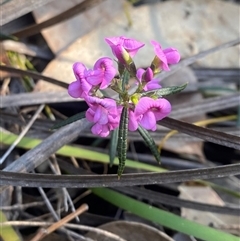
144, 107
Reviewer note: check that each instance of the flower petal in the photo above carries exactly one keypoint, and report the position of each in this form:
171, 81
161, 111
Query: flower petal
132, 46
97, 129
160, 54
119, 43
148, 121
106, 102
163, 110
102, 63
140, 73
105, 131
109, 104
79, 70
148, 75
108, 77
105, 64
94, 77
100, 130
172, 55
75, 89
114, 40
120, 52
90, 115
132, 123
143, 105
101, 116
152, 85
86, 87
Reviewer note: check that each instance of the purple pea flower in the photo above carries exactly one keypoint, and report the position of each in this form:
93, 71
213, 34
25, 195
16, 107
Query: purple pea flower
79, 88
102, 74
165, 56
104, 113
146, 77
150, 111
124, 48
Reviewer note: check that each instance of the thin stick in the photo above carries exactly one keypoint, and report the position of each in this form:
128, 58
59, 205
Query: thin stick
23, 133
55, 216
21, 206
55, 168
32, 74
56, 171
48, 204
36, 156
60, 223
67, 225
4, 89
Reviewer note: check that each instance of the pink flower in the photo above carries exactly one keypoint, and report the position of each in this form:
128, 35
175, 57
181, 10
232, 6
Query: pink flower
102, 74
146, 77
79, 88
150, 111
104, 113
165, 56
133, 121
152, 85
124, 48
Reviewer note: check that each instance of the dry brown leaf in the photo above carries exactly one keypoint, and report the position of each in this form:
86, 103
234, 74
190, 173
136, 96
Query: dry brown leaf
208, 196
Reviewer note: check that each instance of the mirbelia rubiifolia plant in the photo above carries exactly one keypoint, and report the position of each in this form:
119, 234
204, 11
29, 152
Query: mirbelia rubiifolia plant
129, 111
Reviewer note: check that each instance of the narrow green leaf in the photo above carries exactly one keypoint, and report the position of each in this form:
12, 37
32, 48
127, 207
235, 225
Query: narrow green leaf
165, 91
164, 218
149, 142
122, 141
69, 120
113, 146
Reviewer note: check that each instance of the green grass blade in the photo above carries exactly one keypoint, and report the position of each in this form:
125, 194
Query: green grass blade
69, 120
77, 152
7, 233
161, 217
